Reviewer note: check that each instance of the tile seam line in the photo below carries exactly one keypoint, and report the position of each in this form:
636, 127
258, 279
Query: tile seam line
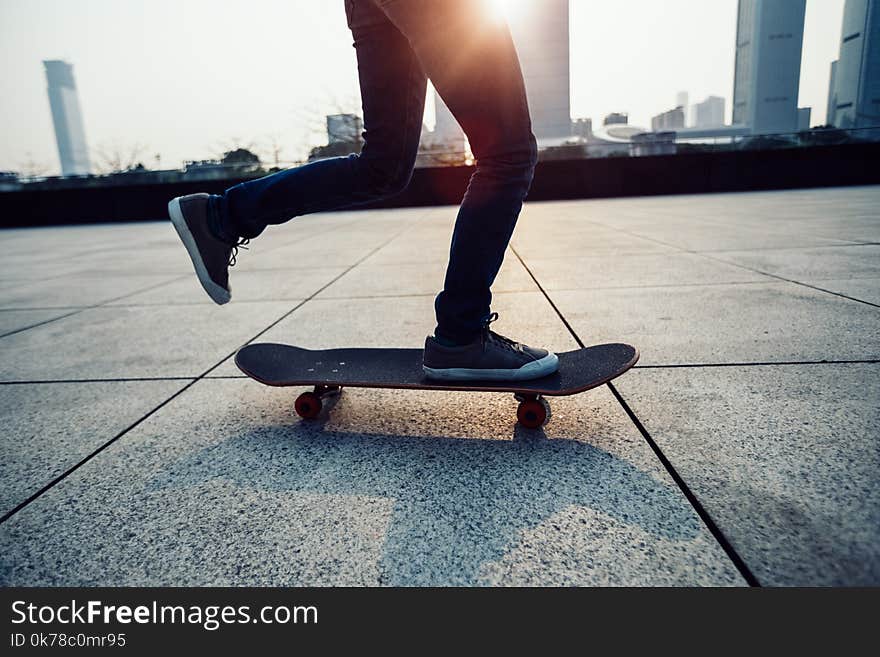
781, 363
171, 281
94, 306
191, 383
706, 255
719, 536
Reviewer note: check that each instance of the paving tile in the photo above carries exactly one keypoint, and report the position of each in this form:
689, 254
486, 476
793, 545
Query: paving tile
48, 428
635, 271
247, 286
76, 290
437, 489
770, 322
863, 289
805, 264
784, 458
15, 320
141, 341
426, 278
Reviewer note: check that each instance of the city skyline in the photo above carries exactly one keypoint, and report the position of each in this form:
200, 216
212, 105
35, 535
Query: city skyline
131, 97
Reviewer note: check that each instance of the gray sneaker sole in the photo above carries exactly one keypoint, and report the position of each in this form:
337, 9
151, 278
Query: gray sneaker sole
218, 294
534, 370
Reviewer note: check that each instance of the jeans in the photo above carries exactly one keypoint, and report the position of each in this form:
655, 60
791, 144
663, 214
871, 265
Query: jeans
470, 57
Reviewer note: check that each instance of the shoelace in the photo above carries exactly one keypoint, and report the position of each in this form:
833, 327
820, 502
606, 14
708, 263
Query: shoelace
488, 334
241, 244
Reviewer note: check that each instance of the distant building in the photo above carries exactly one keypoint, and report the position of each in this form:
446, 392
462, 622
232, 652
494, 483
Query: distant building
832, 95
9, 181
769, 41
681, 99
615, 138
804, 114
344, 128
709, 113
70, 135
671, 120
582, 128
856, 80
616, 118
653, 143
540, 31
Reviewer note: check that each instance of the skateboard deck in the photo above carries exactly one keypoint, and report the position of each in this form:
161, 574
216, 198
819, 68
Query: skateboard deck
332, 369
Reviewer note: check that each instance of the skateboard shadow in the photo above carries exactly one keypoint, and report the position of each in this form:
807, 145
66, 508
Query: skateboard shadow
459, 503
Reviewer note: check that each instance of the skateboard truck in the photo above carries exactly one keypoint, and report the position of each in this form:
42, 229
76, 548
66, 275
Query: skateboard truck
308, 405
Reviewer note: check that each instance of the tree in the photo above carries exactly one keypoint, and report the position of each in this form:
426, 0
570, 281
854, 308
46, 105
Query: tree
31, 168
241, 160
118, 157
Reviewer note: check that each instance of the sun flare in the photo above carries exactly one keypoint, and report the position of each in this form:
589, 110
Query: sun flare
509, 9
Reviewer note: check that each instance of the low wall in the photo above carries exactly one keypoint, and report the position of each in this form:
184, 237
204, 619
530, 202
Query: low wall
692, 173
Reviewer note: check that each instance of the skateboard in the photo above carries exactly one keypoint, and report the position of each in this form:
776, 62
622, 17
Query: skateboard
332, 369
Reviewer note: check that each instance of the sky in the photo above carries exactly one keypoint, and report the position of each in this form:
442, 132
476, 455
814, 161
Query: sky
176, 80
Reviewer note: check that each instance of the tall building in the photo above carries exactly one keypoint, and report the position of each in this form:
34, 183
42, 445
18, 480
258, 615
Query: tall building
671, 120
856, 85
709, 113
832, 95
804, 114
70, 135
681, 99
541, 34
769, 41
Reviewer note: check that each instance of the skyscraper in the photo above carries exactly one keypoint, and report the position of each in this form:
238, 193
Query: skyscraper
682, 100
832, 95
67, 119
769, 41
709, 113
540, 31
855, 91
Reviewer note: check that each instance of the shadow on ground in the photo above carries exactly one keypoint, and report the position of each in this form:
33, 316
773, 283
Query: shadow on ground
457, 503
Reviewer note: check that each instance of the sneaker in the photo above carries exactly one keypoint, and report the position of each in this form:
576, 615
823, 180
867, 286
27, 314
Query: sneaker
491, 357
211, 257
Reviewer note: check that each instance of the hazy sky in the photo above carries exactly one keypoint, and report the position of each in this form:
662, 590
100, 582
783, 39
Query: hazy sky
188, 79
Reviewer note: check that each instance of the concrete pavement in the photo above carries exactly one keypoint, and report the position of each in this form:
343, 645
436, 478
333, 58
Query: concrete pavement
743, 448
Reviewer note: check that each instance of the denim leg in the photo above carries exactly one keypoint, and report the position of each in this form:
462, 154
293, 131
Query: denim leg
393, 96
471, 59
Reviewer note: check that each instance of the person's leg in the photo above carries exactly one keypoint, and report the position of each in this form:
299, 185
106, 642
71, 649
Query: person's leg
470, 57
393, 96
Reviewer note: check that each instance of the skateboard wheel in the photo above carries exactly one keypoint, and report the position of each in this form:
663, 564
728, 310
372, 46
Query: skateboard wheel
532, 413
308, 405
